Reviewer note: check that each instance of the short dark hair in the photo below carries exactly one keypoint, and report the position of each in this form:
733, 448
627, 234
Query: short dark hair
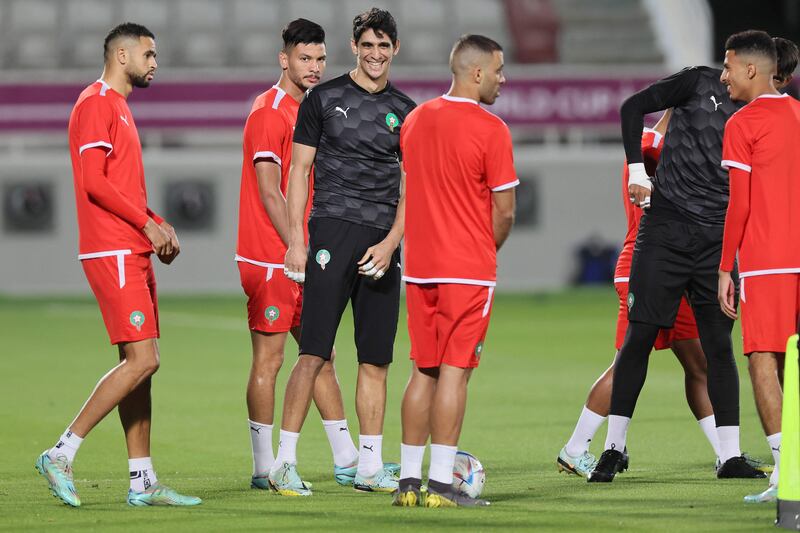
752, 42
788, 56
126, 29
479, 42
302, 31
378, 20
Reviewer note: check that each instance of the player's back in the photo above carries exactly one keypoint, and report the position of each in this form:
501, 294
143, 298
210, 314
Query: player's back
771, 123
455, 154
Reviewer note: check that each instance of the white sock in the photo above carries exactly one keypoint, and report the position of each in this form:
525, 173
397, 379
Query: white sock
411, 461
617, 432
709, 427
588, 424
775, 445
287, 449
67, 446
342, 447
143, 476
443, 458
728, 442
370, 458
261, 442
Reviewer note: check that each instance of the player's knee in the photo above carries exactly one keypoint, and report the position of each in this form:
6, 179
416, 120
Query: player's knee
268, 364
148, 366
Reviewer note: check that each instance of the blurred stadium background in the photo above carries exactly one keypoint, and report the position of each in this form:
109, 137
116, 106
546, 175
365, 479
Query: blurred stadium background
570, 63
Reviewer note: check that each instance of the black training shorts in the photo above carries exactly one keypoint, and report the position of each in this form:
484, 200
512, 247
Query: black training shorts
672, 258
332, 279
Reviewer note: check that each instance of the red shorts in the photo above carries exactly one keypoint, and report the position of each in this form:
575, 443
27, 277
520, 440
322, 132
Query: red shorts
274, 301
125, 288
770, 306
684, 327
447, 323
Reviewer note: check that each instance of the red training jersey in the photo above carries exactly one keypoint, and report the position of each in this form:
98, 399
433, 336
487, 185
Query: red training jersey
759, 149
455, 153
101, 119
267, 136
651, 150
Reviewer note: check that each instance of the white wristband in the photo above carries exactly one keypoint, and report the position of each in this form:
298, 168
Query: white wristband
638, 176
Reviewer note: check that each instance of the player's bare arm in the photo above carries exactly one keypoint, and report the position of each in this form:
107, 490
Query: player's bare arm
296, 200
268, 174
503, 205
377, 259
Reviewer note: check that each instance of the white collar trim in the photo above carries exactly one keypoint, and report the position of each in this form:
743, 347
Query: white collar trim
459, 99
772, 96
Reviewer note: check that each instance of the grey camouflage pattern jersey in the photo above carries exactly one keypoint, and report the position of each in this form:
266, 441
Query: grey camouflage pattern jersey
357, 137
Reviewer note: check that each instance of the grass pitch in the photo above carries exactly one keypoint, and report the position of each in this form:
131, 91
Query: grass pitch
541, 355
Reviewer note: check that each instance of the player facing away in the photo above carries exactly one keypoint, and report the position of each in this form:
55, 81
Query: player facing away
274, 301
459, 202
118, 232
762, 223
575, 457
349, 129
677, 251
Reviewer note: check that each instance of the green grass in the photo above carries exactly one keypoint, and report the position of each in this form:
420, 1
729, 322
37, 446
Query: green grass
542, 354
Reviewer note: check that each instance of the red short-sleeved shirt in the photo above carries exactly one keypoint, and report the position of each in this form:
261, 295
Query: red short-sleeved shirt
455, 153
762, 139
101, 119
267, 136
651, 150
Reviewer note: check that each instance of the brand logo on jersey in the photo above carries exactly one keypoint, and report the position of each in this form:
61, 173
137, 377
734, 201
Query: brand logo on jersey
479, 349
714, 101
137, 319
630, 301
124, 119
323, 258
342, 111
392, 121
272, 314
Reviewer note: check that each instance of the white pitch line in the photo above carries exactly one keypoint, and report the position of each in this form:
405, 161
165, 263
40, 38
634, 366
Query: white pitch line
170, 318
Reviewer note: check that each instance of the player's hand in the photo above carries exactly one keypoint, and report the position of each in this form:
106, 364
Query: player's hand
176, 245
377, 259
726, 294
294, 264
160, 239
639, 185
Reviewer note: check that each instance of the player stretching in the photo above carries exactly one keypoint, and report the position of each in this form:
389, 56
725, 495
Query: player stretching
762, 222
349, 128
118, 232
460, 204
677, 251
274, 301
574, 457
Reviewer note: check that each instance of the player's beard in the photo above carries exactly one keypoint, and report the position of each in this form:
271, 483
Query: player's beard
139, 81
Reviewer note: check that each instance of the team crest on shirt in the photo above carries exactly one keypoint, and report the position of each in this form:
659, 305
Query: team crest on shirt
272, 314
137, 319
630, 301
392, 121
479, 349
323, 258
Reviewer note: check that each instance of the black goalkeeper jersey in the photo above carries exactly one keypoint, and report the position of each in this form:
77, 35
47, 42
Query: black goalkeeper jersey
357, 137
689, 177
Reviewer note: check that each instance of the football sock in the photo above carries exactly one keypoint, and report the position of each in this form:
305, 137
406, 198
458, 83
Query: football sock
723, 377
443, 458
261, 441
775, 445
370, 458
588, 424
143, 476
411, 461
287, 448
67, 445
728, 442
630, 368
617, 432
342, 447
709, 427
